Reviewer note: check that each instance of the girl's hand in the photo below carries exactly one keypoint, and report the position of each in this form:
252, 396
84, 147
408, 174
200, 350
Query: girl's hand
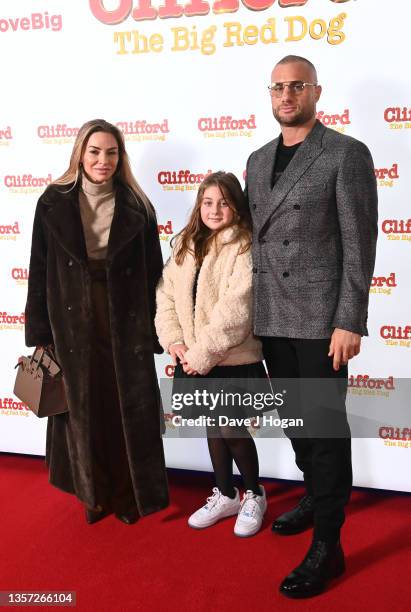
189, 370
177, 351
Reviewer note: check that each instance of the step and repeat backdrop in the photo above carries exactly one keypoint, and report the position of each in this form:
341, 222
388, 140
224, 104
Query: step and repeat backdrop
186, 82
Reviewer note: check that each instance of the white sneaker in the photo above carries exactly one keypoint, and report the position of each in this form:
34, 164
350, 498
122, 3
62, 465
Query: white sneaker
218, 506
251, 513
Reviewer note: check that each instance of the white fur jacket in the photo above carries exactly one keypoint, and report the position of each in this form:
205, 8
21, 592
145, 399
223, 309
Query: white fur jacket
219, 330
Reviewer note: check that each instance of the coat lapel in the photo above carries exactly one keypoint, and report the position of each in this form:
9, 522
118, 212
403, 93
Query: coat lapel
307, 153
128, 220
64, 221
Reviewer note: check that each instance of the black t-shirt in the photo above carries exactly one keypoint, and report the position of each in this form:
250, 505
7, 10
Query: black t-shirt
283, 158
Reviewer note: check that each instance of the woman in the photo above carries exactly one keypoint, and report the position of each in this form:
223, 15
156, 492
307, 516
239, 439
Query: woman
204, 320
95, 262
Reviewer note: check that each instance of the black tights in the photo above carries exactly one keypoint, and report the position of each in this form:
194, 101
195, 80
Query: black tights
226, 444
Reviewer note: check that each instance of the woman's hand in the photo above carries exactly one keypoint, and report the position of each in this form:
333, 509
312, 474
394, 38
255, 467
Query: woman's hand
177, 351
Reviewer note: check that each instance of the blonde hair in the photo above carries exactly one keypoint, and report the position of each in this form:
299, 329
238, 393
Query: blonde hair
123, 171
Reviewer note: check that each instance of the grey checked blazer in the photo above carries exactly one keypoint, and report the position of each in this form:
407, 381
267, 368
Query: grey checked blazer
314, 237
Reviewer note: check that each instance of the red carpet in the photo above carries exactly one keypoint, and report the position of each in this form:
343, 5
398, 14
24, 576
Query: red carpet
161, 564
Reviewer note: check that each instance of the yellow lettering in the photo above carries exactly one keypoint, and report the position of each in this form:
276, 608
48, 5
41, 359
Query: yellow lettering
292, 21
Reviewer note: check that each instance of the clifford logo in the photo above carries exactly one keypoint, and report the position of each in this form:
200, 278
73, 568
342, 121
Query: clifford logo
59, 133
166, 231
397, 229
363, 384
26, 183
397, 117
383, 284
395, 433
11, 407
395, 436
144, 9
35, 21
364, 381
335, 121
169, 370
141, 130
396, 335
180, 180
20, 275
9, 232
11, 321
5, 136
386, 176
226, 127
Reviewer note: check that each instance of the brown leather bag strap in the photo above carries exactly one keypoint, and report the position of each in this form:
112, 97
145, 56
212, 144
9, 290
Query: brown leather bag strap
39, 360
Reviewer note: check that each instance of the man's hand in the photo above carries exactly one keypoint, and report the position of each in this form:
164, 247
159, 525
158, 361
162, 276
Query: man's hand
344, 345
177, 351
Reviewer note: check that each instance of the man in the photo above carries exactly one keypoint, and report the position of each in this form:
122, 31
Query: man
313, 198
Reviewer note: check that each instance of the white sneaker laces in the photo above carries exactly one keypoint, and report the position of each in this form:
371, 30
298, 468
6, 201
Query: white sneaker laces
249, 504
213, 499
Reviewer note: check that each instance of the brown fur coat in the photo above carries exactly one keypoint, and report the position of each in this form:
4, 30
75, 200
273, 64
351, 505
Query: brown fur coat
58, 311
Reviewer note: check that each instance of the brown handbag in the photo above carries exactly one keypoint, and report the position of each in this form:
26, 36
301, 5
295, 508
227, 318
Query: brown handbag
39, 383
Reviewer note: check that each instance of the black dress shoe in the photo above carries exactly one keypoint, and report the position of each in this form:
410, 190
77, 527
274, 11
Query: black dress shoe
323, 562
296, 520
93, 516
129, 518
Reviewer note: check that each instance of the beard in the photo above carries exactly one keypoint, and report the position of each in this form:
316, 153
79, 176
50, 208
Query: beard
299, 117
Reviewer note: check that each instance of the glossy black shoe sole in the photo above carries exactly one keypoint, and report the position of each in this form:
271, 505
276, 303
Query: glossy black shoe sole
128, 519
94, 517
339, 571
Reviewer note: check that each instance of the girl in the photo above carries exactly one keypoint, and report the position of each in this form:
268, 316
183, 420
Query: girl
204, 320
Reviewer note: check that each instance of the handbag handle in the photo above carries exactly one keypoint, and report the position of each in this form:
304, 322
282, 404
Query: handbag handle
43, 350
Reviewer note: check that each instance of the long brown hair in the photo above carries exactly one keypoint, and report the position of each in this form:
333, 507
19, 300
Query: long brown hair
196, 238
123, 172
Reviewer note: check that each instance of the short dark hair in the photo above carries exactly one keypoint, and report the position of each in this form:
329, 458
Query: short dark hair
290, 59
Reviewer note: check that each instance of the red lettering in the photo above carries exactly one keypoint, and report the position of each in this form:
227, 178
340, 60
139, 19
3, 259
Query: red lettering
260, 5
170, 9
169, 371
397, 114
144, 11
225, 6
111, 17
389, 115
197, 7
287, 3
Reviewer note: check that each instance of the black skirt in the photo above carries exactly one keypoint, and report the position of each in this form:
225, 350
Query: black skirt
234, 391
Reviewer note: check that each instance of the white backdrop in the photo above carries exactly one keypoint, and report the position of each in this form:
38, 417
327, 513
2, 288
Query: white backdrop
168, 81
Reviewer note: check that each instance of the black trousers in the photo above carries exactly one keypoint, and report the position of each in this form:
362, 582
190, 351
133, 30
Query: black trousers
323, 446
111, 472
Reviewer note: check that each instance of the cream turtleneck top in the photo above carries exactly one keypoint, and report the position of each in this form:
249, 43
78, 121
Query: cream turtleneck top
96, 210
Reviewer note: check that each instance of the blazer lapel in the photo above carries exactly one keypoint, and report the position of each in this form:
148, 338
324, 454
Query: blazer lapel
307, 153
263, 179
